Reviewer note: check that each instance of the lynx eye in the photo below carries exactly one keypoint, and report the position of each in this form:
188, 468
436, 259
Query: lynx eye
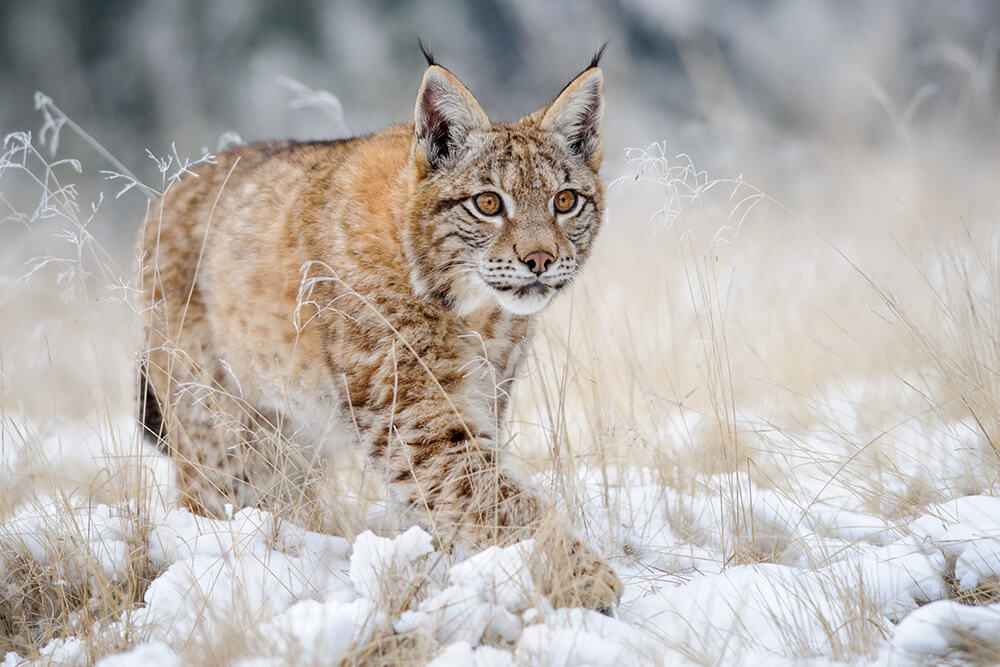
565, 201
488, 203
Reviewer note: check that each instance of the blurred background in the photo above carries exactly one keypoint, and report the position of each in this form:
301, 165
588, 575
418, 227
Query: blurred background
759, 87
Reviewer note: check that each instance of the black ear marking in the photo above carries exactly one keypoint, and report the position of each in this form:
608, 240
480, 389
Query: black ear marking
429, 57
596, 60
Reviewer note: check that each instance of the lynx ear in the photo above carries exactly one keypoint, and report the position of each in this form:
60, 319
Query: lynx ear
445, 116
576, 116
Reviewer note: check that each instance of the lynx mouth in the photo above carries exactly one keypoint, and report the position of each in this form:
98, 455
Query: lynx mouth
534, 287
525, 299
537, 287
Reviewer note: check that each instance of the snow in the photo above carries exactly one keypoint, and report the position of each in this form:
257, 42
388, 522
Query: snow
41, 528
826, 569
322, 631
967, 529
69, 650
246, 568
946, 627
378, 561
583, 637
462, 654
150, 654
500, 574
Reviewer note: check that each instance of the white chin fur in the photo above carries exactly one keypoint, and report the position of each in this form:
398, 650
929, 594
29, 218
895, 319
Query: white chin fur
526, 305
470, 295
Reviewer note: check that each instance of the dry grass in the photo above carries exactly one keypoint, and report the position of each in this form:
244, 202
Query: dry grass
69, 595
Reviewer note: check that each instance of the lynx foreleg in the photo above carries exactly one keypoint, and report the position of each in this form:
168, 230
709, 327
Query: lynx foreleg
449, 469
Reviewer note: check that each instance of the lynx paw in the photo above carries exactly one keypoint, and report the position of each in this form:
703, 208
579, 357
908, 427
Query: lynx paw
591, 583
601, 589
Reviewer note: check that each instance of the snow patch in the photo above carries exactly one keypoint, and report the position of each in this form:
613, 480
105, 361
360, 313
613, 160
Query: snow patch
946, 628
379, 563
152, 654
968, 530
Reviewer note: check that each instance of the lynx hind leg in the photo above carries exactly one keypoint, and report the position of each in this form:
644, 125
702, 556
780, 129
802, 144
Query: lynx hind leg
243, 458
205, 438
225, 451
280, 475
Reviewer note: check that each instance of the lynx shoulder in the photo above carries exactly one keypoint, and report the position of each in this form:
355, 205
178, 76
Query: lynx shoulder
377, 291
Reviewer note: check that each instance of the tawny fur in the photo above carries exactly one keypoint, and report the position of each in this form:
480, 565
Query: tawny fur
351, 290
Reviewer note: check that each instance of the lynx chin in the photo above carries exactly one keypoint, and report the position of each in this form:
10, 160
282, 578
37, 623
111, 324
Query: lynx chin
378, 291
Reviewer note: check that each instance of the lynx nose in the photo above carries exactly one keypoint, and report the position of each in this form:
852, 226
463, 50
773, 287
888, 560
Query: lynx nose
538, 261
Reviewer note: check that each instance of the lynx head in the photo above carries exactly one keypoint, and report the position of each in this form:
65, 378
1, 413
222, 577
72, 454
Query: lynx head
502, 212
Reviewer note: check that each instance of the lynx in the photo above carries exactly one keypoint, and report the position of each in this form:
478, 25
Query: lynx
380, 290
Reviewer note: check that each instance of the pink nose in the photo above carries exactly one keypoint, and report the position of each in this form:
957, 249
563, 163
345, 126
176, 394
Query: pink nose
538, 261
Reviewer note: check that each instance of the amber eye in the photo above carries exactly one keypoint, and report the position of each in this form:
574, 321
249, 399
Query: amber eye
564, 201
488, 203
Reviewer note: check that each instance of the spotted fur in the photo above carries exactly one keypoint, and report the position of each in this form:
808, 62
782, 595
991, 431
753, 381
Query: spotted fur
352, 291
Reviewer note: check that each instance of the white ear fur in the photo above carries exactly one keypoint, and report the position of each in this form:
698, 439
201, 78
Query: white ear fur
576, 116
445, 116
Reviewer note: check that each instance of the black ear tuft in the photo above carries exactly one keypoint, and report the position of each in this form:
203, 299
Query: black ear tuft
429, 57
596, 60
